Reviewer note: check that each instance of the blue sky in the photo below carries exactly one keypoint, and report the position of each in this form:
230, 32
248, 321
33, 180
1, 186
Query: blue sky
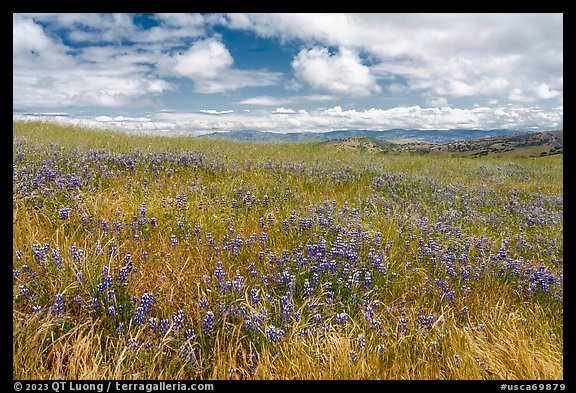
197, 73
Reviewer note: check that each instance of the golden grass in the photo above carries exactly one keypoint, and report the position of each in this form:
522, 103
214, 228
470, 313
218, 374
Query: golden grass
501, 338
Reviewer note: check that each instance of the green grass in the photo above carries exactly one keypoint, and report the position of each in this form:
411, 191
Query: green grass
455, 207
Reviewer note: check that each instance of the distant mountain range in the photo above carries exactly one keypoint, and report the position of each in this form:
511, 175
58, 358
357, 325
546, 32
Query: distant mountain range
429, 136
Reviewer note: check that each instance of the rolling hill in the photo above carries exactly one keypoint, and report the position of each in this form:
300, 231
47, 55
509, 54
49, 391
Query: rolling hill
533, 144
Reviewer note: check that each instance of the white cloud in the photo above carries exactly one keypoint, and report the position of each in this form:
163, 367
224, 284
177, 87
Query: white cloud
338, 73
215, 112
449, 55
45, 74
284, 110
210, 65
437, 102
48, 73
432, 59
335, 118
204, 59
118, 27
534, 92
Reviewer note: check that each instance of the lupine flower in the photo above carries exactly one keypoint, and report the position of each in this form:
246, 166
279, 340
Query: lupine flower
190, 334
342, 318
367, 279
153, 324
76, 254
254, 298
108, 281
426, 321
219, 272
187, 352
286, 306
163, 326
139, 318
24, 292
274, 335
353, 356
64, 213
403, 327
360, 342
178, 320
458, 360
123, 274
133, 343
208, 323
173, 241
317, 318
58, 308
451, 295
231, 372
147, 301
307, 289
238, 283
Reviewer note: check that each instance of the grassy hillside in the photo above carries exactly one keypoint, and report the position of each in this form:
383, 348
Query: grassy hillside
536, 144
182, 258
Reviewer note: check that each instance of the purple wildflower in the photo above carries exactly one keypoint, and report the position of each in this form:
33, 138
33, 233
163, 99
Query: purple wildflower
353, 356
58, 308
147, 301
341, 318
208, 323
139, 318
274, 335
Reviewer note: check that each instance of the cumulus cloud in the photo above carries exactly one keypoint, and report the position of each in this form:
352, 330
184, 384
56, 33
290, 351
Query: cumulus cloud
338, 61
335, 118
204, 59
210, 65
118, 27
338, 73
104, 72
443, 55
46, 74
284, 110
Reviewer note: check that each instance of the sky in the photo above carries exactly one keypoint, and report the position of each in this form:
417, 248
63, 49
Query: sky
192, 74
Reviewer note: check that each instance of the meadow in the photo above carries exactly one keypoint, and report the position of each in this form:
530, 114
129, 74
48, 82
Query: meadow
140, 257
